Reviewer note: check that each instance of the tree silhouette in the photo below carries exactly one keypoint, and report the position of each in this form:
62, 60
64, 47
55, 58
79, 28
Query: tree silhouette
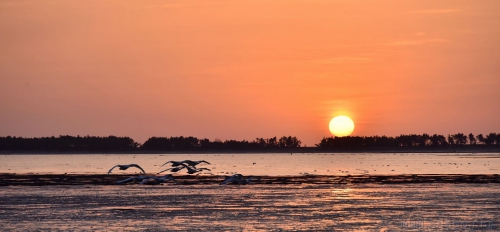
472, 139
289, 142
65, 143
490, 139
412, 140
460, 139
480, 138
438, 140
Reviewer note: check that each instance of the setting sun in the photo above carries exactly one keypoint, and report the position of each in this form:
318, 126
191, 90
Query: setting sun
341, 126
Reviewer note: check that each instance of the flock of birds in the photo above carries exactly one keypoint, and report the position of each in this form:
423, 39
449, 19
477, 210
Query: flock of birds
175, 166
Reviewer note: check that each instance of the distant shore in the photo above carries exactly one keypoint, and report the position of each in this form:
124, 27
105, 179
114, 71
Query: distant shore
451, 149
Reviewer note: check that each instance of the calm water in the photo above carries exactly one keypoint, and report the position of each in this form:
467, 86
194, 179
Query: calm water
263, 164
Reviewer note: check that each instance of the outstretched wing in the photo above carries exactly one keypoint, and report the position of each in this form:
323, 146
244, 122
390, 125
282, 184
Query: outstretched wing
175, 169
139, 167
167, 163
126, 180
112, 169
168, 169
147, 180
228, 180
203, 161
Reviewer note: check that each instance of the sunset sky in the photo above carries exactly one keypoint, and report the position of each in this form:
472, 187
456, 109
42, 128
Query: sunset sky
248, 68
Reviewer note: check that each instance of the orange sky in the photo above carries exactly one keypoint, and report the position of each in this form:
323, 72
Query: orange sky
245, 69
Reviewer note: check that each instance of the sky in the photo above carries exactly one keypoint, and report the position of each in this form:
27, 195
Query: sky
245, 69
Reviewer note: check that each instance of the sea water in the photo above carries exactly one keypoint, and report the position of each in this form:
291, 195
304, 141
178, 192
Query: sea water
272, 164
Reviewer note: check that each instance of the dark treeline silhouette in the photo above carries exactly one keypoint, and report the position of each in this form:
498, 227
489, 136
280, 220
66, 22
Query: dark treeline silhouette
285, 143
68, 144
126, 144
413, 140
192, 143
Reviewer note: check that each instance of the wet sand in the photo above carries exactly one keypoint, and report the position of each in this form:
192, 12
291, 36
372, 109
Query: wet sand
102, 179
340, 203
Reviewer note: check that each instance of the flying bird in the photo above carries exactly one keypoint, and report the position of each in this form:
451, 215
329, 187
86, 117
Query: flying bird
194, 163
188, 162
126, 166
190, 169
174, 169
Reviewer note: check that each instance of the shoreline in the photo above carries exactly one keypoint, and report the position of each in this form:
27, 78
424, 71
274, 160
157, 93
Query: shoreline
8, 179
313, 150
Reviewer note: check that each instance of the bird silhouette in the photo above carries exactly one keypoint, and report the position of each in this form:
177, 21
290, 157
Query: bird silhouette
136, 179
237, 179
125, 167
158, 180
174, 169
190, 169
188, 162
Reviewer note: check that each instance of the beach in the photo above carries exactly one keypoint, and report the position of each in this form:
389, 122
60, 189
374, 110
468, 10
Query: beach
340, 203
297, 192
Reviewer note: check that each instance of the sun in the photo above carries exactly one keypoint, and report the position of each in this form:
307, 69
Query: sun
341, 126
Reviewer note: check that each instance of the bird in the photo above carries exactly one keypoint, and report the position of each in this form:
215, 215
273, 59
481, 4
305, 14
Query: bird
237, 179
191, 169
133, 179
125, 167
158, 180
174, 169
234, 179
188, 162
194, 163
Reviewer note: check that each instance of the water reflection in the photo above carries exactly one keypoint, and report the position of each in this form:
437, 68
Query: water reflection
341, 193
401, 207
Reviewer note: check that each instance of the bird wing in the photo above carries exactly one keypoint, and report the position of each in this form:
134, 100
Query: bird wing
203, 161
168, 176
175, 169
145, 181
112, 169
126, 180
191, 169
189, 163
167, 163
227, 180
137, 166
165, 170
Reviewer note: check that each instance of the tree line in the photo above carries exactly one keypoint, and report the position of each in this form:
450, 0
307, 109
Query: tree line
125, 144
193, 143
68, 143
412, 140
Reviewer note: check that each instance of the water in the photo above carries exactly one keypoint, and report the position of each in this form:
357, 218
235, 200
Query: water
360, 207
255, 207
263, 163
